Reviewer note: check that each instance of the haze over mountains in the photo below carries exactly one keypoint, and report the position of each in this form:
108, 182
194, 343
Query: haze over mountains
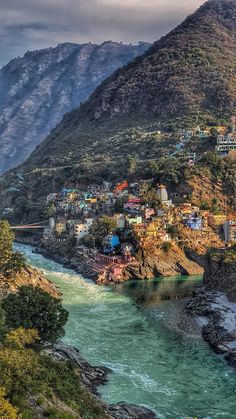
38, 89
185, 78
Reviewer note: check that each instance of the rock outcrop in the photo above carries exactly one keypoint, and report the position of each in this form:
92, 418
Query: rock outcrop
218, 315
215, 303
27, 276
130, 411
155, 261
220, 272
39, 88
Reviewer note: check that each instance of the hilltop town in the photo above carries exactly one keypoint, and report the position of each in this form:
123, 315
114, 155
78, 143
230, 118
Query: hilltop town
142, 229
138, 229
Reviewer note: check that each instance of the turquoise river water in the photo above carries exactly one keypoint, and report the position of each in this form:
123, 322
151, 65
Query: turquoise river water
132, 329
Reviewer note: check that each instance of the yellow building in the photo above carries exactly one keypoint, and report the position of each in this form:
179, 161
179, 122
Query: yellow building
91, 200
146, 230
217, 219
219, 128
71, 196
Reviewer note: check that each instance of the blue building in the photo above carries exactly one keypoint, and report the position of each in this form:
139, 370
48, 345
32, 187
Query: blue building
194, 223
110, 243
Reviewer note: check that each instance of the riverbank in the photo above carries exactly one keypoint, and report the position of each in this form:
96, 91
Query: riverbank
218, 318
214, 312
149, 263
93, 377
215, 303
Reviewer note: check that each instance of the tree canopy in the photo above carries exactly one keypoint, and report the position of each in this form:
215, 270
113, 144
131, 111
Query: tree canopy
33, 308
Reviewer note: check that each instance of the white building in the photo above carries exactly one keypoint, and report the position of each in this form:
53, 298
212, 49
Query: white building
163, 195
226, 144
82, 229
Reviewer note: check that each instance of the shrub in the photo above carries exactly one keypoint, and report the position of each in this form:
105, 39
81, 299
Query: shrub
167, 246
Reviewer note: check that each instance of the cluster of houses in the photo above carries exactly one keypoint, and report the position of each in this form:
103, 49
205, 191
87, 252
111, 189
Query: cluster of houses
74, 214
225, 143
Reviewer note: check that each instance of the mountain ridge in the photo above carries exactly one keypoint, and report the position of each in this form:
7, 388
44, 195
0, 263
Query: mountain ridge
40, 87
185, 78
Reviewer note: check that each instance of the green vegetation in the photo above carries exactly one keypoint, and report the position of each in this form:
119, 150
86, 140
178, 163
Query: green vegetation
221, 173
150, 196
6, 238
33, 308
226, 256
10, 262
185, 79
167, 246
31, 382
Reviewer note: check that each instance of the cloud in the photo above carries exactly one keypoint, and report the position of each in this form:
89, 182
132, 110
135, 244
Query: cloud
33, 24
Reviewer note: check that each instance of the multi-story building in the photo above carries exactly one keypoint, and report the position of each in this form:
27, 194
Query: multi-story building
82, 229
110, 243
230, 231
226, 144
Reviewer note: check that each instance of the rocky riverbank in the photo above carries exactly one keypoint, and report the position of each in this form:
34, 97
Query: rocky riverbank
93, 377
215, 303
218, 318
151, 262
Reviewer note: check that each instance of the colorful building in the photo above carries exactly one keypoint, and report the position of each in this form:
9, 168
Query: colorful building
110, 243
194, 223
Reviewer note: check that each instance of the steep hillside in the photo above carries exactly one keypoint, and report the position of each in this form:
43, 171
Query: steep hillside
38, 89
187, 77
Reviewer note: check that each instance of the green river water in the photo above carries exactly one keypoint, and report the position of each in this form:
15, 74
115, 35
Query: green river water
132, 329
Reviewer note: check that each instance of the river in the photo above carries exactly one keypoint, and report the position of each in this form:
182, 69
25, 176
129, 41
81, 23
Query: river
133, 329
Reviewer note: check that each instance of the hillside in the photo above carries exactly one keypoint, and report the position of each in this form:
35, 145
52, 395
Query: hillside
187, 77
38, 89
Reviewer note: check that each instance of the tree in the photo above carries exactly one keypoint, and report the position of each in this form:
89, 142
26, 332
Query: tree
132, 162
150, 196
104, 225
33, 308
19, 364
6, 238
7, 411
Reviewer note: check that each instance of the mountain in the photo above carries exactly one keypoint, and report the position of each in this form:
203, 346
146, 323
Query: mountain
38, 89
186, 78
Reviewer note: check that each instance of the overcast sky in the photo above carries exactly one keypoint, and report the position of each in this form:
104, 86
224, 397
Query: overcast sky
34, 24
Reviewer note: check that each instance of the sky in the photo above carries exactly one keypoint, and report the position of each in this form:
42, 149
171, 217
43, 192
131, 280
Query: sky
34, 24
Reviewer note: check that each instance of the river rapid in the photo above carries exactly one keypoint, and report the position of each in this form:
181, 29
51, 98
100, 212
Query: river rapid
158, 358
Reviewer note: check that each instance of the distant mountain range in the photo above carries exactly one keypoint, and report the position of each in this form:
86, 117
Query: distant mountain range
186, 78
38, 89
